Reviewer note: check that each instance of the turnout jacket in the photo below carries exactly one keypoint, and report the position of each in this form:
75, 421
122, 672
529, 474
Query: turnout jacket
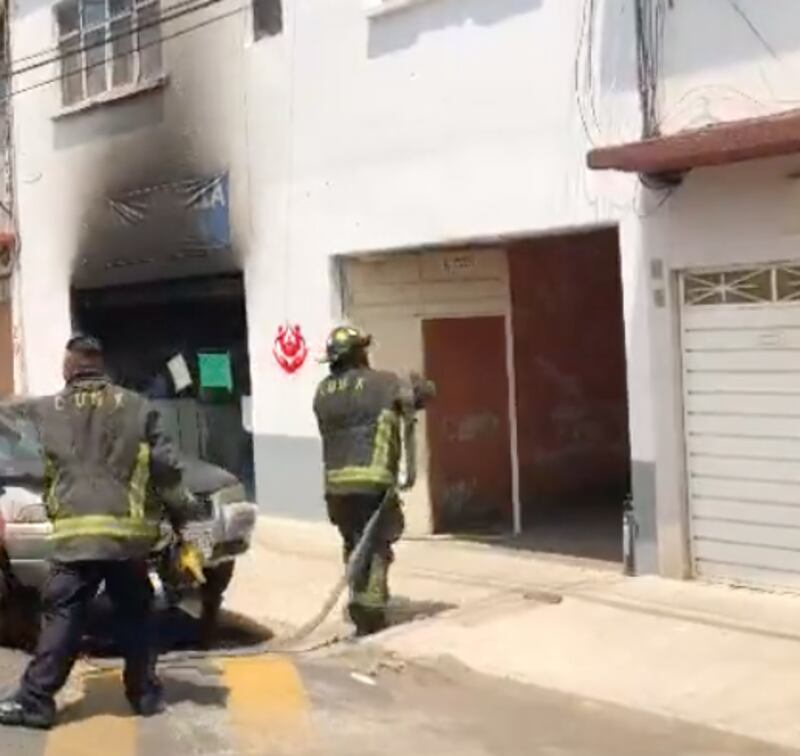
105, 456
358, 414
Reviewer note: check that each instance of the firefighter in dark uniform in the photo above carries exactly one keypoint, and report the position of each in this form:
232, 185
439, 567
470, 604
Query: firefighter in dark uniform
358, 413
104, 450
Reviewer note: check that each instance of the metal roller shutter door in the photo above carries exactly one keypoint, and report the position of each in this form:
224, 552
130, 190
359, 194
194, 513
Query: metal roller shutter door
741, 380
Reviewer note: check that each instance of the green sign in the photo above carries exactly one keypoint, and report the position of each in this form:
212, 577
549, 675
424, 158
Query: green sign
215, 370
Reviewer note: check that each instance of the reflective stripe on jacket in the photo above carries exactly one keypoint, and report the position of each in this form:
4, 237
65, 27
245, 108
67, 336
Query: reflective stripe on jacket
104, 454
133, 526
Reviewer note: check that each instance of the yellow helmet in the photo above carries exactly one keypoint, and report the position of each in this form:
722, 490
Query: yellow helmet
343, 342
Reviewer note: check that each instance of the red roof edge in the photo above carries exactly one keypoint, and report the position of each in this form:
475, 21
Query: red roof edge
719, 144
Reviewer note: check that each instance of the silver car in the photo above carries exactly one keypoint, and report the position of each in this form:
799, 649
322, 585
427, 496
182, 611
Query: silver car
221, 527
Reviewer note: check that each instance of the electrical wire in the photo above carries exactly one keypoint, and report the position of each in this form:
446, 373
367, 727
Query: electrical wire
737, 9
55, 48
105, 60
187, 7
665, 197
578, 87
589, 62
649, 18
586, 101
685, 102
586, 72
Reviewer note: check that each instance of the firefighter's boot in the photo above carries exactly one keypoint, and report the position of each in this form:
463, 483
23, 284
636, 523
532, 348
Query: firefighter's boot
368, 603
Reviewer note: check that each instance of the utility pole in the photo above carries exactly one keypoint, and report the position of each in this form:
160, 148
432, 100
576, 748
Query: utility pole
12, 373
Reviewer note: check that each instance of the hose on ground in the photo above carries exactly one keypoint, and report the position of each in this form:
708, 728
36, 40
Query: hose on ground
288, 644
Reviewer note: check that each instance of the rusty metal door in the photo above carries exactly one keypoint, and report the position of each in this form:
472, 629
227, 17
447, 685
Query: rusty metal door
468, 424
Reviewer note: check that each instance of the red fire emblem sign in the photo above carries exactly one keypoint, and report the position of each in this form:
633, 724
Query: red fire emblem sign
290, 348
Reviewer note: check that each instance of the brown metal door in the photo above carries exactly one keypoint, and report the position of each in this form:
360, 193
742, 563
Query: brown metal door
468, 425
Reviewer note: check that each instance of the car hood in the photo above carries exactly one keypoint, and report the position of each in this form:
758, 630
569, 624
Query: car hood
202, 477
199, 477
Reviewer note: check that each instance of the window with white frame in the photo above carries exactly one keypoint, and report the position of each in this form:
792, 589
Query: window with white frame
106, 44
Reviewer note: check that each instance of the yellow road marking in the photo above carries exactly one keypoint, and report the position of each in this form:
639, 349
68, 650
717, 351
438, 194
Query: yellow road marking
266, 701
100, 722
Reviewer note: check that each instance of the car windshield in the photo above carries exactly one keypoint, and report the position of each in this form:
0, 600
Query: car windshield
18, 441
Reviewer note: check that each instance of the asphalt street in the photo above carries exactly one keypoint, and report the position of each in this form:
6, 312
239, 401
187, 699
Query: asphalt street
348, 700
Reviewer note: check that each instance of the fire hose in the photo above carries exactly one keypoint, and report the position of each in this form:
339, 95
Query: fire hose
288, 644
414, 395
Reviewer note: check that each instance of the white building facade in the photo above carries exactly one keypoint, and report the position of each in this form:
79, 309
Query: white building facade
413, 134
719, 238
417, 168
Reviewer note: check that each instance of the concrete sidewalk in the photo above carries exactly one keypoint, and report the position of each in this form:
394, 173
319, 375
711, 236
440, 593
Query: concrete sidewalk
709, 654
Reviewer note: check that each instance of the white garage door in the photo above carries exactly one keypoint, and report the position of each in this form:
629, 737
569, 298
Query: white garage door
741, 362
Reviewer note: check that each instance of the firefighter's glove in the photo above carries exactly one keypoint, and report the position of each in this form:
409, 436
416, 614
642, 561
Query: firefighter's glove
191, 562
424, 391
415, 393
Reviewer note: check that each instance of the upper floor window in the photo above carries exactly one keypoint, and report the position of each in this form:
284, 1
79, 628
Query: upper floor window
267, 18
105, 44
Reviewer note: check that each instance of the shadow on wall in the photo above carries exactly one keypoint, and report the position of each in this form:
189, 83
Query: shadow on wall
401, 30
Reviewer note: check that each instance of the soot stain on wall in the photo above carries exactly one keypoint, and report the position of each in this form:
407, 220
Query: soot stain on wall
134, 146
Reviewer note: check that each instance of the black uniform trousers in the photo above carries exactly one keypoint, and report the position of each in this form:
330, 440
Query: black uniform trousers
67, 596
351, 513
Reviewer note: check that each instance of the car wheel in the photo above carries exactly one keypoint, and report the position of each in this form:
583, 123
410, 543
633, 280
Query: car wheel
218, 578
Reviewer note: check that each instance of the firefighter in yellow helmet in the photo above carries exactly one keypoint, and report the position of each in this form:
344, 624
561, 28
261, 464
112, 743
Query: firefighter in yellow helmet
358, 414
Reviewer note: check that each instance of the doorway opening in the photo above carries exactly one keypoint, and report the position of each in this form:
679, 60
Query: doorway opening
571, 393
526, 345
182, 343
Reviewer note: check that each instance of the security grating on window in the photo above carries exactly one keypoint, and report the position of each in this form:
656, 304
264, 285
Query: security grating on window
776, 283
267, 18
105, 44
728, 287
787, 284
